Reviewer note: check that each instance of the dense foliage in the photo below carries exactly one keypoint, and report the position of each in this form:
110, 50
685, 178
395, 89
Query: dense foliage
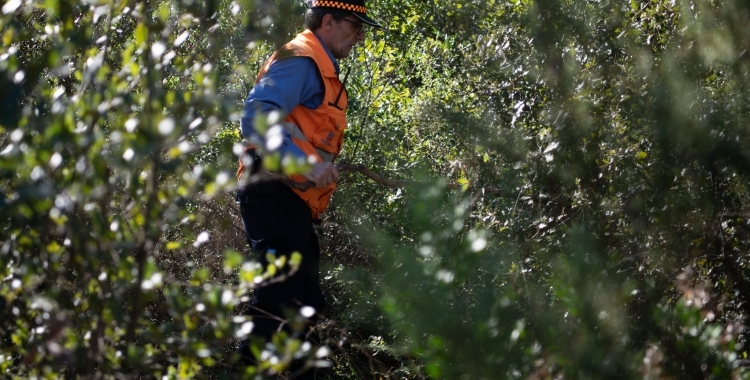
600, 228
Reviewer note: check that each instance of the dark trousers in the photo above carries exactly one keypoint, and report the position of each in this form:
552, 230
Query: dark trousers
275, 218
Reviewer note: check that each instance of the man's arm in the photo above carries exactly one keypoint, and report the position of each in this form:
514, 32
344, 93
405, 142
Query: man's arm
287, 83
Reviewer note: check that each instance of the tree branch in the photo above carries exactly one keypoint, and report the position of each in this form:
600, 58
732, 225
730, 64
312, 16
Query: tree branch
343, 166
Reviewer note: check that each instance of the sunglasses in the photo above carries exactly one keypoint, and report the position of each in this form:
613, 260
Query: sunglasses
357, 25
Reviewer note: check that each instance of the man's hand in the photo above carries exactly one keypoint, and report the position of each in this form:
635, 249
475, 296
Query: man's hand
323, 174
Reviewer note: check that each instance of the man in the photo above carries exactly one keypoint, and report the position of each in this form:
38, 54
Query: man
301, 81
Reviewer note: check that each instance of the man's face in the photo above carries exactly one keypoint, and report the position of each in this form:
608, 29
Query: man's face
347, 32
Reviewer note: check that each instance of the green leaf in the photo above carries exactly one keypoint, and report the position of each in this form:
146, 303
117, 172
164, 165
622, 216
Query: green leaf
295, 261
141, 34
232, 260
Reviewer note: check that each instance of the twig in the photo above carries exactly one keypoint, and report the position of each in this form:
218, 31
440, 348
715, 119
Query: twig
341, 167
346, 167
235, 209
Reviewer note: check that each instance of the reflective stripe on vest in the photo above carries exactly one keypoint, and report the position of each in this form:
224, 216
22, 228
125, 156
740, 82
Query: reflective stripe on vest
296, 133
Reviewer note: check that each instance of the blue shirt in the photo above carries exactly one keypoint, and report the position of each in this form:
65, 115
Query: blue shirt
289, 82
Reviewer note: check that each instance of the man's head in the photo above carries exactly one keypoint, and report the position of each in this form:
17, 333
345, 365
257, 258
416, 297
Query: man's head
338, 23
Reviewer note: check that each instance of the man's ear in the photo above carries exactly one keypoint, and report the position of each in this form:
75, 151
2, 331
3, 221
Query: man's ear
328, 22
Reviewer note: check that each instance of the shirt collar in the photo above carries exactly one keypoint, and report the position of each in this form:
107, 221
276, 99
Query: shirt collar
335, 62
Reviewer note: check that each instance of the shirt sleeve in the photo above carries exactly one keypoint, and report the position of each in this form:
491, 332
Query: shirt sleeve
288, 83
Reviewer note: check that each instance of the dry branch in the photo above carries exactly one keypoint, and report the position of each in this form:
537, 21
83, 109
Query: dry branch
343, 166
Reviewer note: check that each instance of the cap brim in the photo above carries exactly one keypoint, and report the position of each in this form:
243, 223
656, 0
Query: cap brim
367, 20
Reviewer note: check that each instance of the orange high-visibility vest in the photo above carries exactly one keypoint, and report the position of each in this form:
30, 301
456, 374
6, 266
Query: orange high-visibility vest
322, 129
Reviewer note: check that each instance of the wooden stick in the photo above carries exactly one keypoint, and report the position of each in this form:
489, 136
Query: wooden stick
343, 166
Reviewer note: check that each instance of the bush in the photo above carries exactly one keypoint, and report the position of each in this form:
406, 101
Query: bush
579, 209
